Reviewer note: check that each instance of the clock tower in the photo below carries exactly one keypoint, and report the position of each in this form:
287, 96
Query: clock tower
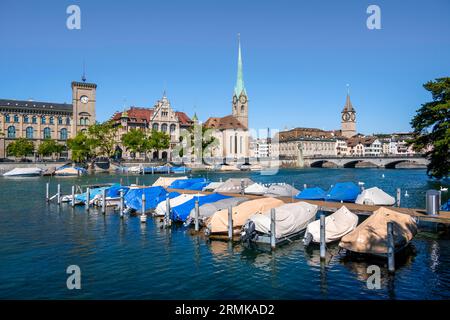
348, 119
240, 99
83, 102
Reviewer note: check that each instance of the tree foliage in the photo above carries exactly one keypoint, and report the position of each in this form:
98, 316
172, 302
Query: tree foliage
20, 148
135, 141
103, 136
82, 147
49, 147
431, 127
157, 140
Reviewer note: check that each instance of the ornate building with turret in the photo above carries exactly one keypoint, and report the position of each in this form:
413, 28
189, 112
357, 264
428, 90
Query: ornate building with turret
231, 131
37, 120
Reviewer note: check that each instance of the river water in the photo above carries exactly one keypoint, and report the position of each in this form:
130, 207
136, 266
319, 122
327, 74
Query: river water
124, 259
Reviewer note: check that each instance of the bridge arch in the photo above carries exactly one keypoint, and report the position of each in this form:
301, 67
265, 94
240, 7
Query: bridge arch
393, 164
354, 163
323, 163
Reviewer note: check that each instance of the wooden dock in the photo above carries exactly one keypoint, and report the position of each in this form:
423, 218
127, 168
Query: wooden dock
329, 206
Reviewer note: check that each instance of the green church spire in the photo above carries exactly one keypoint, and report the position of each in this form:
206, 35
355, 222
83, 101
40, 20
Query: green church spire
239, 88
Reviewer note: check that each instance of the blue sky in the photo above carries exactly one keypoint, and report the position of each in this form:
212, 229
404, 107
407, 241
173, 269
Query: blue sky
298, 56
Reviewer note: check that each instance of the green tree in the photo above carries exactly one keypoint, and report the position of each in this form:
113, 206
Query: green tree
196, 134
135, 141
48, 147
82, 147
20, 148
431, 127
104, 136
156, 141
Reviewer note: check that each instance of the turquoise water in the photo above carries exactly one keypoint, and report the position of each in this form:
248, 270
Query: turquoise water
124, 259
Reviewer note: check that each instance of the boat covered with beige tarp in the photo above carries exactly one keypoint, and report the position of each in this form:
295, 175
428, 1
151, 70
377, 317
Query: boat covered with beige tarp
337, 225
233, 185
166, 181
371, 236
375, 196
208, 209
218, 223
290, 219
281, 190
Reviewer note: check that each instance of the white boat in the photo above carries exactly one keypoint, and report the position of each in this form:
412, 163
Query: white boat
375, 196
135, 169
291, 219
256, 189
23, 172
70, 171
337, 225
213, 186
160, 209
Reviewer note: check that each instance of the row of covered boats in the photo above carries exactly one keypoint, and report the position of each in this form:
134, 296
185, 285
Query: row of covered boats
251, 216
66, 170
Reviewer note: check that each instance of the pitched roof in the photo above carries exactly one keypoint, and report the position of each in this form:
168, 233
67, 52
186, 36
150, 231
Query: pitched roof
144, 115
227, 122
35, 105
348, 105
183, 118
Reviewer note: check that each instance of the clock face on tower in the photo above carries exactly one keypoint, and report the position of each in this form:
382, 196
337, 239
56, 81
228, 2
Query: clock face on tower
353, 117
84, 99
243, 99
346, 116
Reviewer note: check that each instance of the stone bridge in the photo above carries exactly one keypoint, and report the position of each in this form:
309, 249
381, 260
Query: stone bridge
367, 161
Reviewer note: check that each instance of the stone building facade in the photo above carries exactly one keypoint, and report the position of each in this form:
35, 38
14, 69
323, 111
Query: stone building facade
38, 121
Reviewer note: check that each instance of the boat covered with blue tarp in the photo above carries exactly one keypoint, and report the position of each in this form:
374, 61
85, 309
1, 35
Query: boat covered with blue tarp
446, 206
182, 169
81, 198
181, 212
343, 191
198, 186
315, 193
186, 183
114, 191
153, 196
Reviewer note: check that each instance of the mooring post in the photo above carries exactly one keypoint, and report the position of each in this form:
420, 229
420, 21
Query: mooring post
197, 213
73, 196
137, 181
143, 216
167, 213
121, 204
104, 201
242, 187
272, 229
391, 246
168, 170
121, 181
59, 194
230, 223
153, 170
399, 194
47, 192
323, 248
304, 186
88, 195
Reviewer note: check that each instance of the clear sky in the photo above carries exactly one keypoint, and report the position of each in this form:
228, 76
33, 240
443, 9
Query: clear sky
298, 56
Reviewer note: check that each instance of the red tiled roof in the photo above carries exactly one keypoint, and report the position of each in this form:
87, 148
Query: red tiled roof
183, 118
227, 122
145, 115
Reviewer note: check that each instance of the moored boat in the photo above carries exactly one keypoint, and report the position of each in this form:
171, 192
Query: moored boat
23, 172
375, 196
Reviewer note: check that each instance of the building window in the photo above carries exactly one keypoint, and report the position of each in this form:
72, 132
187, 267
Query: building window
43, 120
16, 118
34, 120
63, 134
25, 119
11, 132
155, 127
231, 144
86, 121
60, 120
172, 128
164, 127
7, 118
52, 120
82, 121
29, 133
67, 121
47, 133
240, 145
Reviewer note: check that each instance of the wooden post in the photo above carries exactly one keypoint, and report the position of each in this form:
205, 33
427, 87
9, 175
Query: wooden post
73, 196
272, 229
121, 204
391, 246
399, 195
47, 192
230, 223
88, 195
197, 213
104, 201
59, 194
323, 248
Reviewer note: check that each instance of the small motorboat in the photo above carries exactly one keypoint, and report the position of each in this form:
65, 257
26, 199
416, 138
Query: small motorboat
343, 192
282, 190
233, 185
375, 196
370, 237
256, 189
70, 171
315, 193
212, 186
160, 209
337, 225
442, 189
23, 172
208, 209
291, 219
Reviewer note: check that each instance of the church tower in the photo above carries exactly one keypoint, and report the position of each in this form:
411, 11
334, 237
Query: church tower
240, 99
83, 101
348, 119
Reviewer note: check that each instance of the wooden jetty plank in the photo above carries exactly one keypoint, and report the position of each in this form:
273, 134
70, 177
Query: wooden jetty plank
329, 206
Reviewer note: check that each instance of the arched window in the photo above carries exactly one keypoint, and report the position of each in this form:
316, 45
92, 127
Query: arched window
7, 118
63, 134
164, 127
11, 132
47, 133
86, 121
68, 121
155, 127
43, 120
52, 120
29, 132
240, 145
82, 122
60, 120
16, 118
25, 119
172, 128
231, 144
34, 120
242, 108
